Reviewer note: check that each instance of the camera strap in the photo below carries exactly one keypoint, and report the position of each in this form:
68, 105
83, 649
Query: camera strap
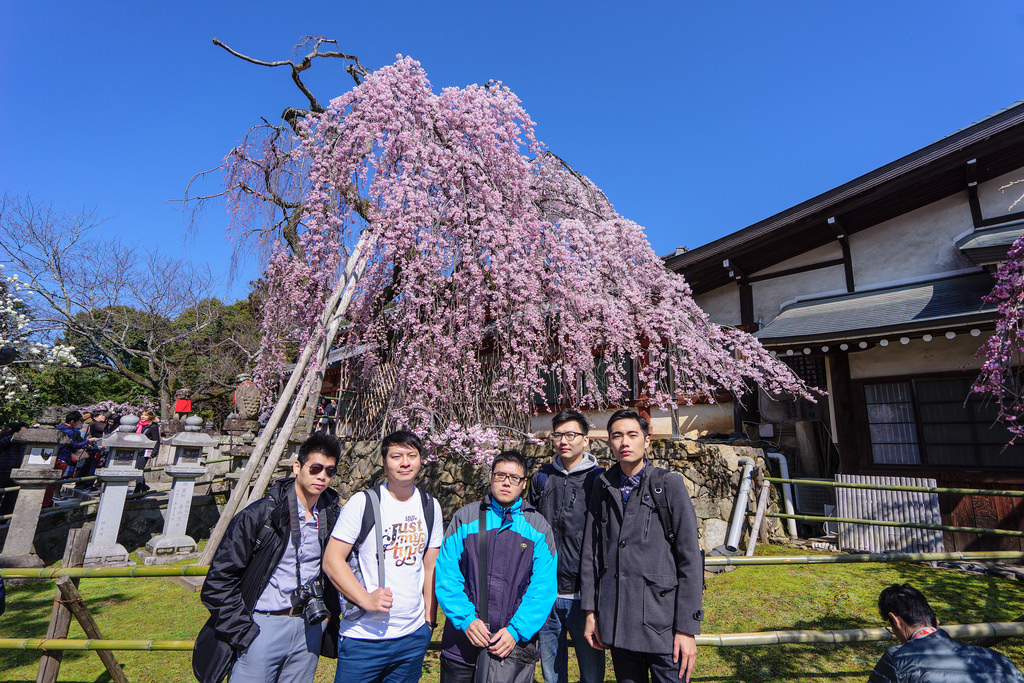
293, 515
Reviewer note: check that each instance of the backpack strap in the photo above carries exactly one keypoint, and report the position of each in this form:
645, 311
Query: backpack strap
373, 494
428, 514
661, 505
664, 511
481, 589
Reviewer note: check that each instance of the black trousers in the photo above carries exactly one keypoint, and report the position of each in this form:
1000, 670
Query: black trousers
642, 667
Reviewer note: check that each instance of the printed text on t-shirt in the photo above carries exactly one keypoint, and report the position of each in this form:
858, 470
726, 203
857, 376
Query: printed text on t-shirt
405, 541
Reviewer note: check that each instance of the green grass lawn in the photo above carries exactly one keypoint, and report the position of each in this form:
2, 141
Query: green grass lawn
747, 599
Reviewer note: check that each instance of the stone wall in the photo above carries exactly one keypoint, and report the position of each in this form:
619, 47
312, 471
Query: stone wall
712, 473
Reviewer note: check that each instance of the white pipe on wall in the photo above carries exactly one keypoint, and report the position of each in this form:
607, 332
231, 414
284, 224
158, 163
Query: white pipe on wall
739, 511
787, 492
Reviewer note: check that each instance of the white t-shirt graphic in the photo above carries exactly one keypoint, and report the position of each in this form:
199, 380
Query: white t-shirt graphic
405, 541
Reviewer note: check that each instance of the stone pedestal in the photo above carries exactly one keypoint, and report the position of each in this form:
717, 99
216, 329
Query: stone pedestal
104, 550
33, 481
174, 544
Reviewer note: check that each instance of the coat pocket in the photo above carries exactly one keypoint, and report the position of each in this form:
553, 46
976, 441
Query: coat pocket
659, 601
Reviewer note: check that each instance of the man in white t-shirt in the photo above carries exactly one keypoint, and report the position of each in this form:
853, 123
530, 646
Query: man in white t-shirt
389, 641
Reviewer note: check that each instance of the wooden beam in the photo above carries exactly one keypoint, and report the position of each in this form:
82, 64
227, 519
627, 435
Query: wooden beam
972, 193
73, 600
797, 270
60, 617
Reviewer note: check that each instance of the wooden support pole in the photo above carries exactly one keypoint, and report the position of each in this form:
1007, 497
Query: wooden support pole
330, 320
73, 601
60, 617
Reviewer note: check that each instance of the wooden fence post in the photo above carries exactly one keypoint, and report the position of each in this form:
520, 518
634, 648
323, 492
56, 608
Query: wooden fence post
60, 617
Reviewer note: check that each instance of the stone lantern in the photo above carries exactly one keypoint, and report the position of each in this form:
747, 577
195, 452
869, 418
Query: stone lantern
174, 544
33, 476
125, 462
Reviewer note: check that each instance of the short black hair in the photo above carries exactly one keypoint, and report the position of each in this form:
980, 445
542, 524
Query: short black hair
324, 444
908, 603
403, 437
628, 414
570, 415
96, 413
511, 456
73, 416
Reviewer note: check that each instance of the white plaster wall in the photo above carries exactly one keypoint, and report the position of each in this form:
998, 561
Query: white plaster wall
770, 295
916, 244
715, 417
918, 357
722, 305
996, 201
827, 252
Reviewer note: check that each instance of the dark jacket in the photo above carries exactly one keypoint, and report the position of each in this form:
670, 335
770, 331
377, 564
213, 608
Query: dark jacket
74, 442
642, 589
521, 566
937, 658
240, 572
562, 499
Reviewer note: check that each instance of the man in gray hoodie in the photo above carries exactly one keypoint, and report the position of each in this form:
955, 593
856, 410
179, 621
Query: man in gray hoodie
561, 491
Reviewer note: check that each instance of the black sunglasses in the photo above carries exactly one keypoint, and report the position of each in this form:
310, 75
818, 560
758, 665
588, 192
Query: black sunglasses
315, 469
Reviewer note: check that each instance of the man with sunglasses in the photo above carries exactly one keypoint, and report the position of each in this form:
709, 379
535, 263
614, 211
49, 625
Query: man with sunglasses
561, 490
495, 582
258, 616
389, 640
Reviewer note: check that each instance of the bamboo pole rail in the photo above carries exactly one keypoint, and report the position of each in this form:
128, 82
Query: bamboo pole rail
94, 644
858, 635
905, 525
200, 570
883, 487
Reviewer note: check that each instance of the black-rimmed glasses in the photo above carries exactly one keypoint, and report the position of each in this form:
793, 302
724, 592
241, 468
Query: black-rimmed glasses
568, 436
513, 479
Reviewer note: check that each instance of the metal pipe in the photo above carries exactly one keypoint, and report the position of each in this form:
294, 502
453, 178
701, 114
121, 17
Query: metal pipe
736, 527
905, 525
787, 492
884, 487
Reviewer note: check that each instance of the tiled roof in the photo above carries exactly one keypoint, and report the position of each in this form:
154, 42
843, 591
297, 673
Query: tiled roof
917, 307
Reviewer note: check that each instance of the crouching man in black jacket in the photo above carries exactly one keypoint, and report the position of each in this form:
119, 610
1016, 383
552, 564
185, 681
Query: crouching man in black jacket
271, 611
926, 652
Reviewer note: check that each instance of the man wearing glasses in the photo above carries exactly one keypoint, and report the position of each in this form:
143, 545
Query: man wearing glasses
259, 617
561, 490
495, 582
388, 641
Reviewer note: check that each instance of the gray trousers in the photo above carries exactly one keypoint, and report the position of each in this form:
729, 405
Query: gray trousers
285, 651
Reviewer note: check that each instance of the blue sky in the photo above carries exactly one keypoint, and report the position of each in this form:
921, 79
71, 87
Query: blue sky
696, 119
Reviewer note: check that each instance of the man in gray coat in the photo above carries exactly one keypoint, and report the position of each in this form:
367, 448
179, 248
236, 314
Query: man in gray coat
642, 575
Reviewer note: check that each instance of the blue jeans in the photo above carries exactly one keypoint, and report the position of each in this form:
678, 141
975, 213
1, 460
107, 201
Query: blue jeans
567, 617
398, 660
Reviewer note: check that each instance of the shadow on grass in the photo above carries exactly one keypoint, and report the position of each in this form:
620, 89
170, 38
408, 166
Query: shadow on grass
29, 606
793, 662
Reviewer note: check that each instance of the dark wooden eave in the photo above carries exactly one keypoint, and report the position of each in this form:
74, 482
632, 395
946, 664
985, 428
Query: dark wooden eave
918, 179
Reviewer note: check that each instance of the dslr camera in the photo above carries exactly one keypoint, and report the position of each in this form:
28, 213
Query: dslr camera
311, 597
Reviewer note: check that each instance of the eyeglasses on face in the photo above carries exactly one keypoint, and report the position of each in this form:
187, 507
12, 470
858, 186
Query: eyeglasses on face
568, 436
513, 479
316, 468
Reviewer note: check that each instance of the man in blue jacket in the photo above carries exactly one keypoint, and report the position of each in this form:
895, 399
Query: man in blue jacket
494, 623
927, 653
